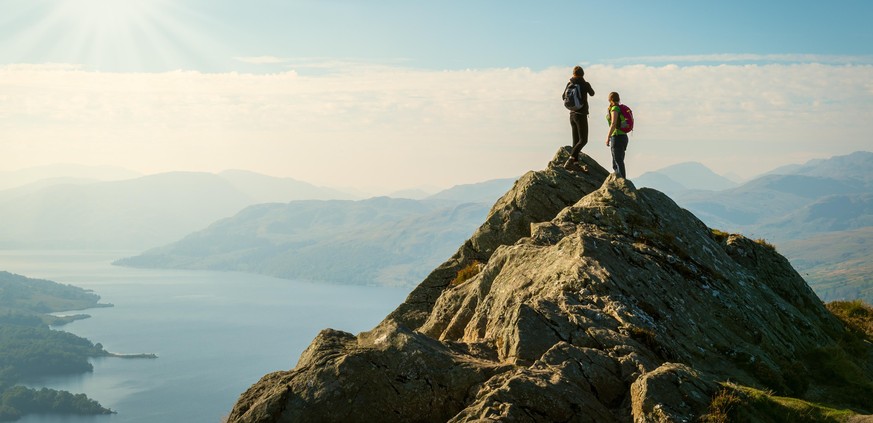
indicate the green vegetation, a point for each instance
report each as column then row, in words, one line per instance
column 830, row 380
column 838, row 373
column 845, row 366
column 41, row 296
column 18, row 401
column 857, row 315
column 763, row 242
column 719, row 235
column 27, row 351
column 734, row 403
column 466, row 273
column 722, row 407
column 29, row 348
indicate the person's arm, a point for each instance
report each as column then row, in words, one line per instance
column 613, row 124
column 590, row 90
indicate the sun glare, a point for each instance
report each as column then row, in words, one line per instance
column 117, row 34
column 109, row 16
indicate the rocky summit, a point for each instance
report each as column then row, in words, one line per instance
column 580, row 299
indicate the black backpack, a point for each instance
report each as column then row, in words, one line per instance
column 574, row 98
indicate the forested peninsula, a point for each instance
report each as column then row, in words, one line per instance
column 29, row 348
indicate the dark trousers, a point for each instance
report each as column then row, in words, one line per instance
column 618, row 145
column 579, row 125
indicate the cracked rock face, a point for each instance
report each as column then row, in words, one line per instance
column 595, row 302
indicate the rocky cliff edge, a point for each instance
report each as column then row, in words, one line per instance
column 589, row 300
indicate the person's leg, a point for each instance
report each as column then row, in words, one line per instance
column 574, row 127
column 612, row 150
column 618, row 146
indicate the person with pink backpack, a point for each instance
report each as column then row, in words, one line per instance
column 621, row 121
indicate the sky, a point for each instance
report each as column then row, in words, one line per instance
column 383, row 95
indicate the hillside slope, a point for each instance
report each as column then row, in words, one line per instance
column 379, row 241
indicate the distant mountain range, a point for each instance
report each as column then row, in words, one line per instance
column 820, row 209
column 684, row 176
column 379, row 241
column 791, row 202
column 811, row 209
column 52, row 174
column 268, row 189
column 488, row 191
column 136, row 213
column 777, row 205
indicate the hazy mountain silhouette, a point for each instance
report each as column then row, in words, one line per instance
column 137, row 213
column 134, row 213
column 791, row 204
column 268, row 189
column 776, row 194
column 722, row 203
column 384, row 241
column 684, row 176
column 775, row 207
column 488, row 191
column 660, row 182
column 854, row 166
column 59, row 172
column 411, row 194
column 828, row 214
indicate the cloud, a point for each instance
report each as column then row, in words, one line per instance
column 392, row 127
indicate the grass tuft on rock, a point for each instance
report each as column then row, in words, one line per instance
column 466, row 273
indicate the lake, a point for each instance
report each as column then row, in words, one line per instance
column 215, row 333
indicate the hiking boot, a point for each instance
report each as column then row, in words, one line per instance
column 573, row 165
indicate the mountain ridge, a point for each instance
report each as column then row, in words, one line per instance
column 778, row 207
column 16, row 178
column 378, row 241
column 136, row 213
column 589, row 300
column 685, row 176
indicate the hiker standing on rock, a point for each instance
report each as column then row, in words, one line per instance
column 576, row 100
column 616, row 136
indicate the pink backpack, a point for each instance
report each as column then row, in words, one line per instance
column 628, row 115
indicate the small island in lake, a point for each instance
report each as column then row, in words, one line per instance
column 30, row 348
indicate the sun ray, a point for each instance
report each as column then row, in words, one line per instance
column 114, row 35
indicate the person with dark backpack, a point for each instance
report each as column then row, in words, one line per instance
column 576, row 100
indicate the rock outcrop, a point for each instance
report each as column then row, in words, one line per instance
column 594, row 301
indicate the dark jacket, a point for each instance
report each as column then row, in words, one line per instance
column 586, row 87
